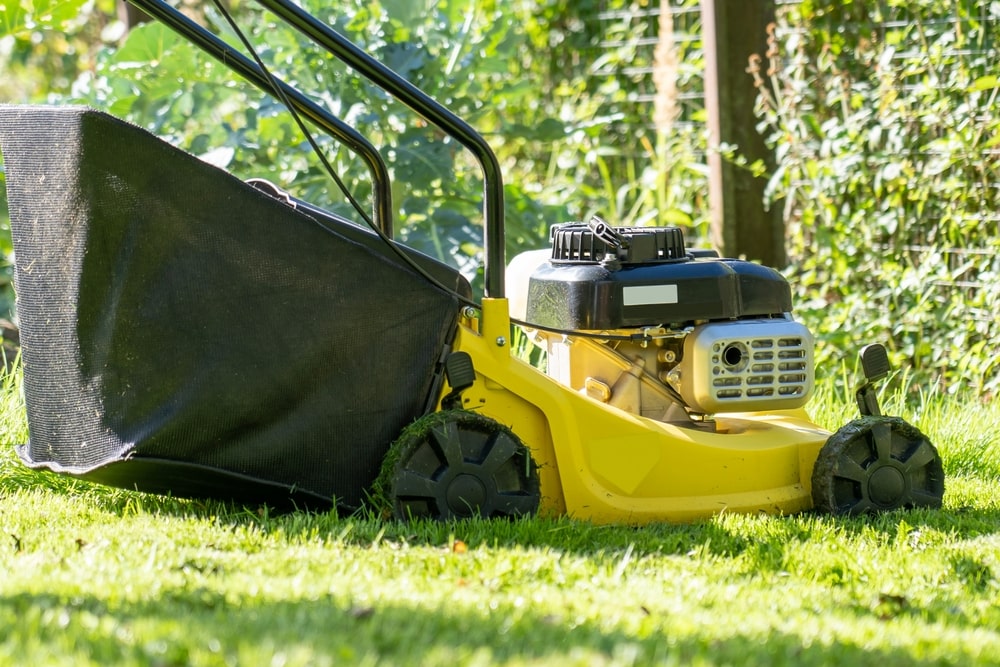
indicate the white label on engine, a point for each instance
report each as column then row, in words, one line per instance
column 648, row 295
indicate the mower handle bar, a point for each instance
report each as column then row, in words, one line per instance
column 382, row 210
column 375, row 71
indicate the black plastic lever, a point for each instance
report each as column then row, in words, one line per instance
column 875, row 365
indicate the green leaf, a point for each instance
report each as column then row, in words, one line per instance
column 403, row 58
column 419, row 159
column 146, row 45
column 985, row 83
column 57, row 12
column 20, row 18
column 407, row 12
column 13, row 17
column 677, row 217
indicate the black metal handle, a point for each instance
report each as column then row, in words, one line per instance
column 432, row 111
column 249, row 70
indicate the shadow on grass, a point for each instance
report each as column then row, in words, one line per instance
column 201, row 627
column 764, row 546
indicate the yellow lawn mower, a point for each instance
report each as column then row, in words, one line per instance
column 186, row 332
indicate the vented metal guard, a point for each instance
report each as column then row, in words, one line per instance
column 746, row 365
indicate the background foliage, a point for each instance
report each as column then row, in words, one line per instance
column 883, row 119
column 880, row 115
column 512, row 69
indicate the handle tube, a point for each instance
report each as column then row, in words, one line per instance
column 251, row 71
column 432, row 111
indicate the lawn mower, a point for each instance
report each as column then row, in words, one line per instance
column 185, row 332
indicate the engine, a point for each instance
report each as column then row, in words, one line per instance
column 634, row 319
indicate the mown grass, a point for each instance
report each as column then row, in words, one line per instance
column 92, row 575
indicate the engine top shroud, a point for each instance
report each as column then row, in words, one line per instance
column 636, row 276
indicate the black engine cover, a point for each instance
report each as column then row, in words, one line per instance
column 588, row 294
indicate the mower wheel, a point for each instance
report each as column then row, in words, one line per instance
column 458, row 464
column 875, row 464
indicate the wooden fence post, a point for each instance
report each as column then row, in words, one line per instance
column 732, row 30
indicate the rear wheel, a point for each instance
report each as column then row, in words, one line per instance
column 875, row 464
column 459, row 464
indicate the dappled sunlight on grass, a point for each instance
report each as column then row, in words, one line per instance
column 93, row 575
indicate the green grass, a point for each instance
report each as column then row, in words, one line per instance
column 92, row 575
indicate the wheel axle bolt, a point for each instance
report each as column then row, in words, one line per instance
column 886, row 485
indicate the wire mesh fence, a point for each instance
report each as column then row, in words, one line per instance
column 627, row 52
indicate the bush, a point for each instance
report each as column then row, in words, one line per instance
column 881, row 115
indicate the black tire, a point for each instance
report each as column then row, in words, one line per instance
column 458, row 464
column 875, row 464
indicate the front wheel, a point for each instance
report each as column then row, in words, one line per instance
column 459, row 464
column 876, row 464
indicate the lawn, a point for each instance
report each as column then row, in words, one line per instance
column 92, row 575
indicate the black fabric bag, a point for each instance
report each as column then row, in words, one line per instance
column 184, row 333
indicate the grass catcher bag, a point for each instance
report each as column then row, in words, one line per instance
column 183, row 332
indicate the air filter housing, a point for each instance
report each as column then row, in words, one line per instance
column 601, row 278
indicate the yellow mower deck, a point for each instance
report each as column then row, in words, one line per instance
column 599, row 463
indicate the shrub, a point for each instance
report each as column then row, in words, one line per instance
column 881, row 116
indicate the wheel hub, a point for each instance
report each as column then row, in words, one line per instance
column 465, row 494
column 458, row 464
column 886, row 485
